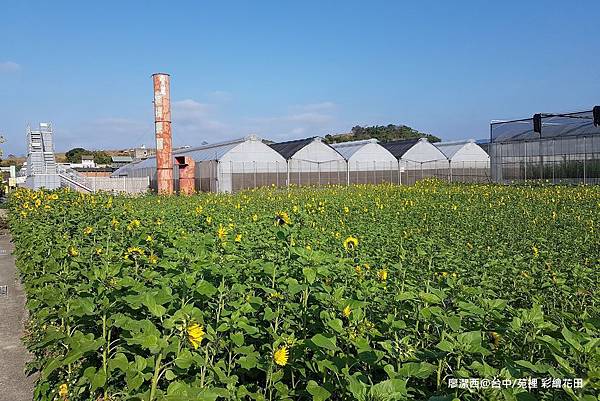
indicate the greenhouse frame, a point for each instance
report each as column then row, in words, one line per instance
column 557, row 148
column 467, row 161
column 310, row 161
column 418, row 159
column 222, row 167
column 368, row 162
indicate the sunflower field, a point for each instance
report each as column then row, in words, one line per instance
column 341, row 293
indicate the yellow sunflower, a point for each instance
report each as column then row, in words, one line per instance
column 281, row 356
column 195, row 334
column 350, row 243
column 347, row 311
column 282, row 218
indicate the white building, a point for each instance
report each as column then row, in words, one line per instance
column 223, row 167
column 368, row 162
column 87, row 161
column 312, row 162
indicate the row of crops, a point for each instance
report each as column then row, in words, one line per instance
column 344, row 293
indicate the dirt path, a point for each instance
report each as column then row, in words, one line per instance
column 14, row 385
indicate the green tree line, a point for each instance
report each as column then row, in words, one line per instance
column 383, row 133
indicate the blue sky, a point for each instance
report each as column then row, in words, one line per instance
column 287, row 70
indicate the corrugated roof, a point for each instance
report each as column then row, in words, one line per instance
column 450, row 148
column 122, row 159
column 347, row 149
column 213, row 151
column 399, row 148
column 290, row 148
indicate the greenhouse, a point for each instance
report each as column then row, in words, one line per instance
column 467, row 161
column 418, row 158
column 312, row 162
column 222, row 167
column 550, row 147
column 368, row 162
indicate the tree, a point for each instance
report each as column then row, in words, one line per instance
column 383, row 133
column 74, row 155
column 101, row 157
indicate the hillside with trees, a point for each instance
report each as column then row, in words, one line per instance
column 100, row 156
column 384, row 133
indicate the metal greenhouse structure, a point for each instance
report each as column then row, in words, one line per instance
column 467, row 161
column 560, row 148
column 222, row 167
column 418, row 159
column 368, row 162
column 311, row 161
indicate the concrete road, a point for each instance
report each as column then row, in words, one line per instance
column 14, row 384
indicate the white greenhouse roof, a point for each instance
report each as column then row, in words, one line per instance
column 214, row 151
column 347, row 149
column 449, row 149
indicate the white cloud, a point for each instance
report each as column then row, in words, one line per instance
column 194, row 122
column 105, row 133
column 314, row 119
column 9, row 67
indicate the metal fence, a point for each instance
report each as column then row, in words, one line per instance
column 236, row 176
column 214, row 176
column 128, row 185
column 558, row 160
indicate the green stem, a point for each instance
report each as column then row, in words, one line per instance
column 155, row 377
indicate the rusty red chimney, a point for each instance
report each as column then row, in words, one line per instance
column 187, row 174
column 162, row 127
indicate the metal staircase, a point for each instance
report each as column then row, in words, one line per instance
column 72, row 179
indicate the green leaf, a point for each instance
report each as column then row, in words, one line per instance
column 392, row 389
column 277, row 376
column 324, row 342
column 237, row 338
column 570, row 338
column 445, row 345
column 247, row 328
column 206, row 288
column 133, row 379
column 454, row 322
column 336, row 324
column 310, row 274
column 420, row 370
column 357, row 388
column 248, row 361
column 154, row 308
column 184, row 360
column 430, row 298
column 50, row 367
column 169, row 375
column 99, row 380
column 318, row 393
column 119, row 361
